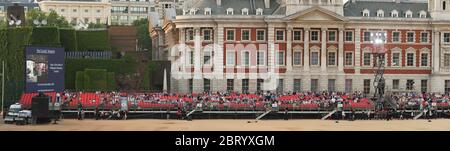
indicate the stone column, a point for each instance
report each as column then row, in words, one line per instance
column 436, row 57
column 306, row 50
column 357, row 64
column 289, row 49
column 341, row 50
column 198, row 78
column 323, row 51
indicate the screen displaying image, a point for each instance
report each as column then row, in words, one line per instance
column 37, row 68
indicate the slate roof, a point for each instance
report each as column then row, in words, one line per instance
column 354, row 9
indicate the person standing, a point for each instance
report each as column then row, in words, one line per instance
column 96, row 114
column 286, row 113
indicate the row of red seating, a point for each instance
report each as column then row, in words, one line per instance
column 26, row 98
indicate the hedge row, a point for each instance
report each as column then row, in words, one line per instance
column 45, row 36
column 93, row 40
column 68, row 39
column 123, row 66
column 94, row 80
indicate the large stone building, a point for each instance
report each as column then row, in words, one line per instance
column 125, row 12
column 80, row 11
column 308, row 45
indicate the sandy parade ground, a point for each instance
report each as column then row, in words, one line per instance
column 233, row 125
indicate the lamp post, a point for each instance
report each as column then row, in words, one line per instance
column 378, row 39
column 40, row 22
column 14, row 22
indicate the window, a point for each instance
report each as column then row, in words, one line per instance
column 365, row 13
column 73, row 21
column 86, row 20
column 446, row 37
column 315, row 58
column 259, row 11
column 231, row 57
column 366, row 87
column 62, row 10
column 246, row 58
column 447, row 60
column 409, row 84
column 447, row 86
column 74, row 10
column 119, row 9
column 207, row 11
column 444, row 4
column 366, row 36
column 245, row 85
column 230, row 35
column 297, row 35
column 348, row 59
column 259, row 84
column 230, row 84
column 280, row 35
column 331, row 58
column 331, row 85
column 395, row 84
column 86, row 11
column 230, row 11
column 245, row 35
column 189, row 34
column 280, row 58
column 191, row 85
column 191, row 57
column 408, row 14
column 98, row 11
column 297, row 85
column 410, row 37
column 2, row 8
column 424, row 59
column 409, row 59
column 143, row 10
column 424, row 37
column 332, row 36
column 348, row 85
column 315, row 35
column 297, row 58
column 314, row 85
column 260, row 58
column 260, row 35
column 423, row 85
column 207, row 57
column 423, row 14
column 245, row 11
column 394, row 14
column 395, row 59
column 349, row 36
column 206, row 85
column 366, row 59
column 97, row 20
column 395, row 36
column 280, row 85
column 380, row 13
column 206, row 34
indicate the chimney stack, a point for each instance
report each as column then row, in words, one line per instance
column 267, row 3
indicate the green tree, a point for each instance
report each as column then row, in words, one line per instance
column 144, row 41
column 52, row 18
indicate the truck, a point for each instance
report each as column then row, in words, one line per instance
column 17, row 115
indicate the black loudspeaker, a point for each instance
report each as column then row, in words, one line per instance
column 16, row 12
column 39, row 106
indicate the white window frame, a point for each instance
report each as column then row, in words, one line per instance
column 345, row 36
column 187, row 35
column 428, row 36
column 229, row 64
column 264, row 35
column 423, row 14
column 363, row 37
column 230, row 11
column 293, row 35
column 294, row 57
column 210, row 34
column 277, row 61
column 210, row 57
column 443, row 37
column 413, row 52
column 335, row 35
column 190, row 57
column 444, row 64
column 380, row 13
column 399, row 36
column 234, row 34
column 318, row 57
column 399, row 51
column 408, row 14
column 207, row 11
column 335, row 58
column 243, row 58
column 276, row 34
column 366, row 13
column 244, row 11
column 259, row 11
column 414, row 37
column 263, row 58
column 398, row 84
column 249, row 34
column 394, row 13
column 318, row 35
column 370, row 58
column 428, row 58
column 345, row 59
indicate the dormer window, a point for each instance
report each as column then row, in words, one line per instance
column 185, row 12
column 245, row 11
column 259, row 11
column 380, row 13
column 230, row 11
column 192, row 11
column 365, row 13
column 408, row 14
column 394, row 14
column 423, row 14
column 207, row 11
